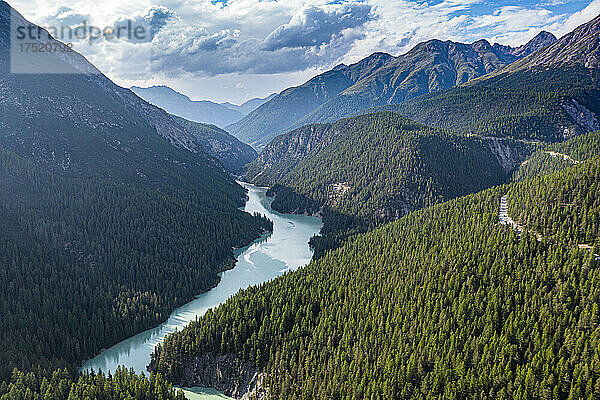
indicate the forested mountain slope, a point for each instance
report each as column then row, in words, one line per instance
column 374, row 168
column 443, row 303
column 379, row 79
column 554, row 157
column 206, row 112
column 87, row 263
column 111, row 213
column 60, row 385
column 550, row 95
column 562, row 207
column 232, row 153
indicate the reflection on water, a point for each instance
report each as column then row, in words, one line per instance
column 266, row 258
column 203, row 394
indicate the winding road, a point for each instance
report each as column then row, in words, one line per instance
column 505, row 219
column 563, row 156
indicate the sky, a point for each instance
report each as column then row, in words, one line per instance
column 234, row 50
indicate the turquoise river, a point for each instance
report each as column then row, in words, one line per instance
column 285, row 249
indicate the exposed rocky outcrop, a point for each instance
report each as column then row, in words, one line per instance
column 586, row 119
column 286, row 151
column 509, row 153
column 227, row 373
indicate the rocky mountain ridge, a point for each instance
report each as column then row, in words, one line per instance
column 376, row 80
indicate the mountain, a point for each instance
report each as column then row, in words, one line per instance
column 232, row 153
column 175, row 103
column 111, row 213
column 275, row 116
column 550, row 95
column 577, row 47
column 429, row 67
column 81, row 124
column 250, row 105
column 367, row 170
column 540, row 41
column 445, row 302
column 377, row 80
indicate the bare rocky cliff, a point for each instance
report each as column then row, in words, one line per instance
column 237, row 379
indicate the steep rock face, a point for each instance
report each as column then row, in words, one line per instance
column 283, row 153
column 585, row 118
column 437, row 65
column 509, row 156
column 237, row 379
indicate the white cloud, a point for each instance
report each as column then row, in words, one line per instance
column 152, row 19
column 572, row 21
column 235, row 41
column 63, row 15
column 318, row 25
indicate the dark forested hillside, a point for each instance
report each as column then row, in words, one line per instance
column 443, row 303
column 232, row 153
column 562, row 207
column 375, row 168
column 86, row 264
column 111, row 214
column 60, row 385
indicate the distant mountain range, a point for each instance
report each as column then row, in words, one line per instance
column 232, row 153
column 551, row 95
column 203, row 111
column 378, row 80
column 250, row 105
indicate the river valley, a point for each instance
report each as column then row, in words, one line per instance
column 286, row 248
